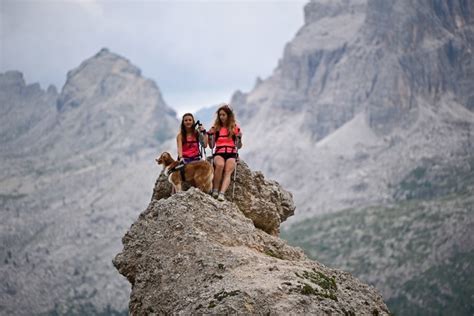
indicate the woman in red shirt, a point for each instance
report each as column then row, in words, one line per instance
column 226, row 139
column 188, row 139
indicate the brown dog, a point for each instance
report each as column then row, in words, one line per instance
column 198, row 173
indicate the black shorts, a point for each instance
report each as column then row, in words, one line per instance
column 226, row 155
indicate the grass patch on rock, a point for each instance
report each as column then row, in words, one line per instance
column 327, row 285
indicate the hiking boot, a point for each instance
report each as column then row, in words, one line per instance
column 215, row 194
column 221, row 197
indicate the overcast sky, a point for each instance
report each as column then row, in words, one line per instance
column 198, row 52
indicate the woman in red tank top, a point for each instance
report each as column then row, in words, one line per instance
column 188, row 139
column 226, row 139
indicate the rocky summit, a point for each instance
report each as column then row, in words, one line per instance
column 190, row 254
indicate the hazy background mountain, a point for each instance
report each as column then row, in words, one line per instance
column 77, row 168
column 368, row 119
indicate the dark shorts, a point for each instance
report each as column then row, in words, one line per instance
column 226, row 155
column 193, row 159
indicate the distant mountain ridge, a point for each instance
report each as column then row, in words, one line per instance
column 74, row 166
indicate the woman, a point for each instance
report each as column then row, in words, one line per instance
column 188, row 139
column 226, row 139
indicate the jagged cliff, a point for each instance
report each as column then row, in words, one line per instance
column 364, row 93
column 190, row 254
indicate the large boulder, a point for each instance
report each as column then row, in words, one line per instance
column 188, row 253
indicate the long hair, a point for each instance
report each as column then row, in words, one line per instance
column 183, row 128
column 230, row 123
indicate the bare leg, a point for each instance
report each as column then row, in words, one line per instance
column 218, row 169
column 228, row 169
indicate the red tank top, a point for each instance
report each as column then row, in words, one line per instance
column 191, row 147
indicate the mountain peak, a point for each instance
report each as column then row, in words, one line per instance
column 104, row 63
column 103, row 73
column 104, row 50
column 107, row 91
column 106, row 56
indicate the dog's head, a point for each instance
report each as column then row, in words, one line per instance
column 165, row 159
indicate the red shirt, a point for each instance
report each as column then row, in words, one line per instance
column 191, row 147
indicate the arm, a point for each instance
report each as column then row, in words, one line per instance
column 180, row 146
column 238, row 141
column 203, row 137
column 238, row 138
column 211, row 137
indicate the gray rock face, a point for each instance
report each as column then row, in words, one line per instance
column 362, row 82
column 73, row 168
column 190, row 254
column 430, row 48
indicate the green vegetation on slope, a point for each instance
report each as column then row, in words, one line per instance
column 453, row 278
column 396, row 248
